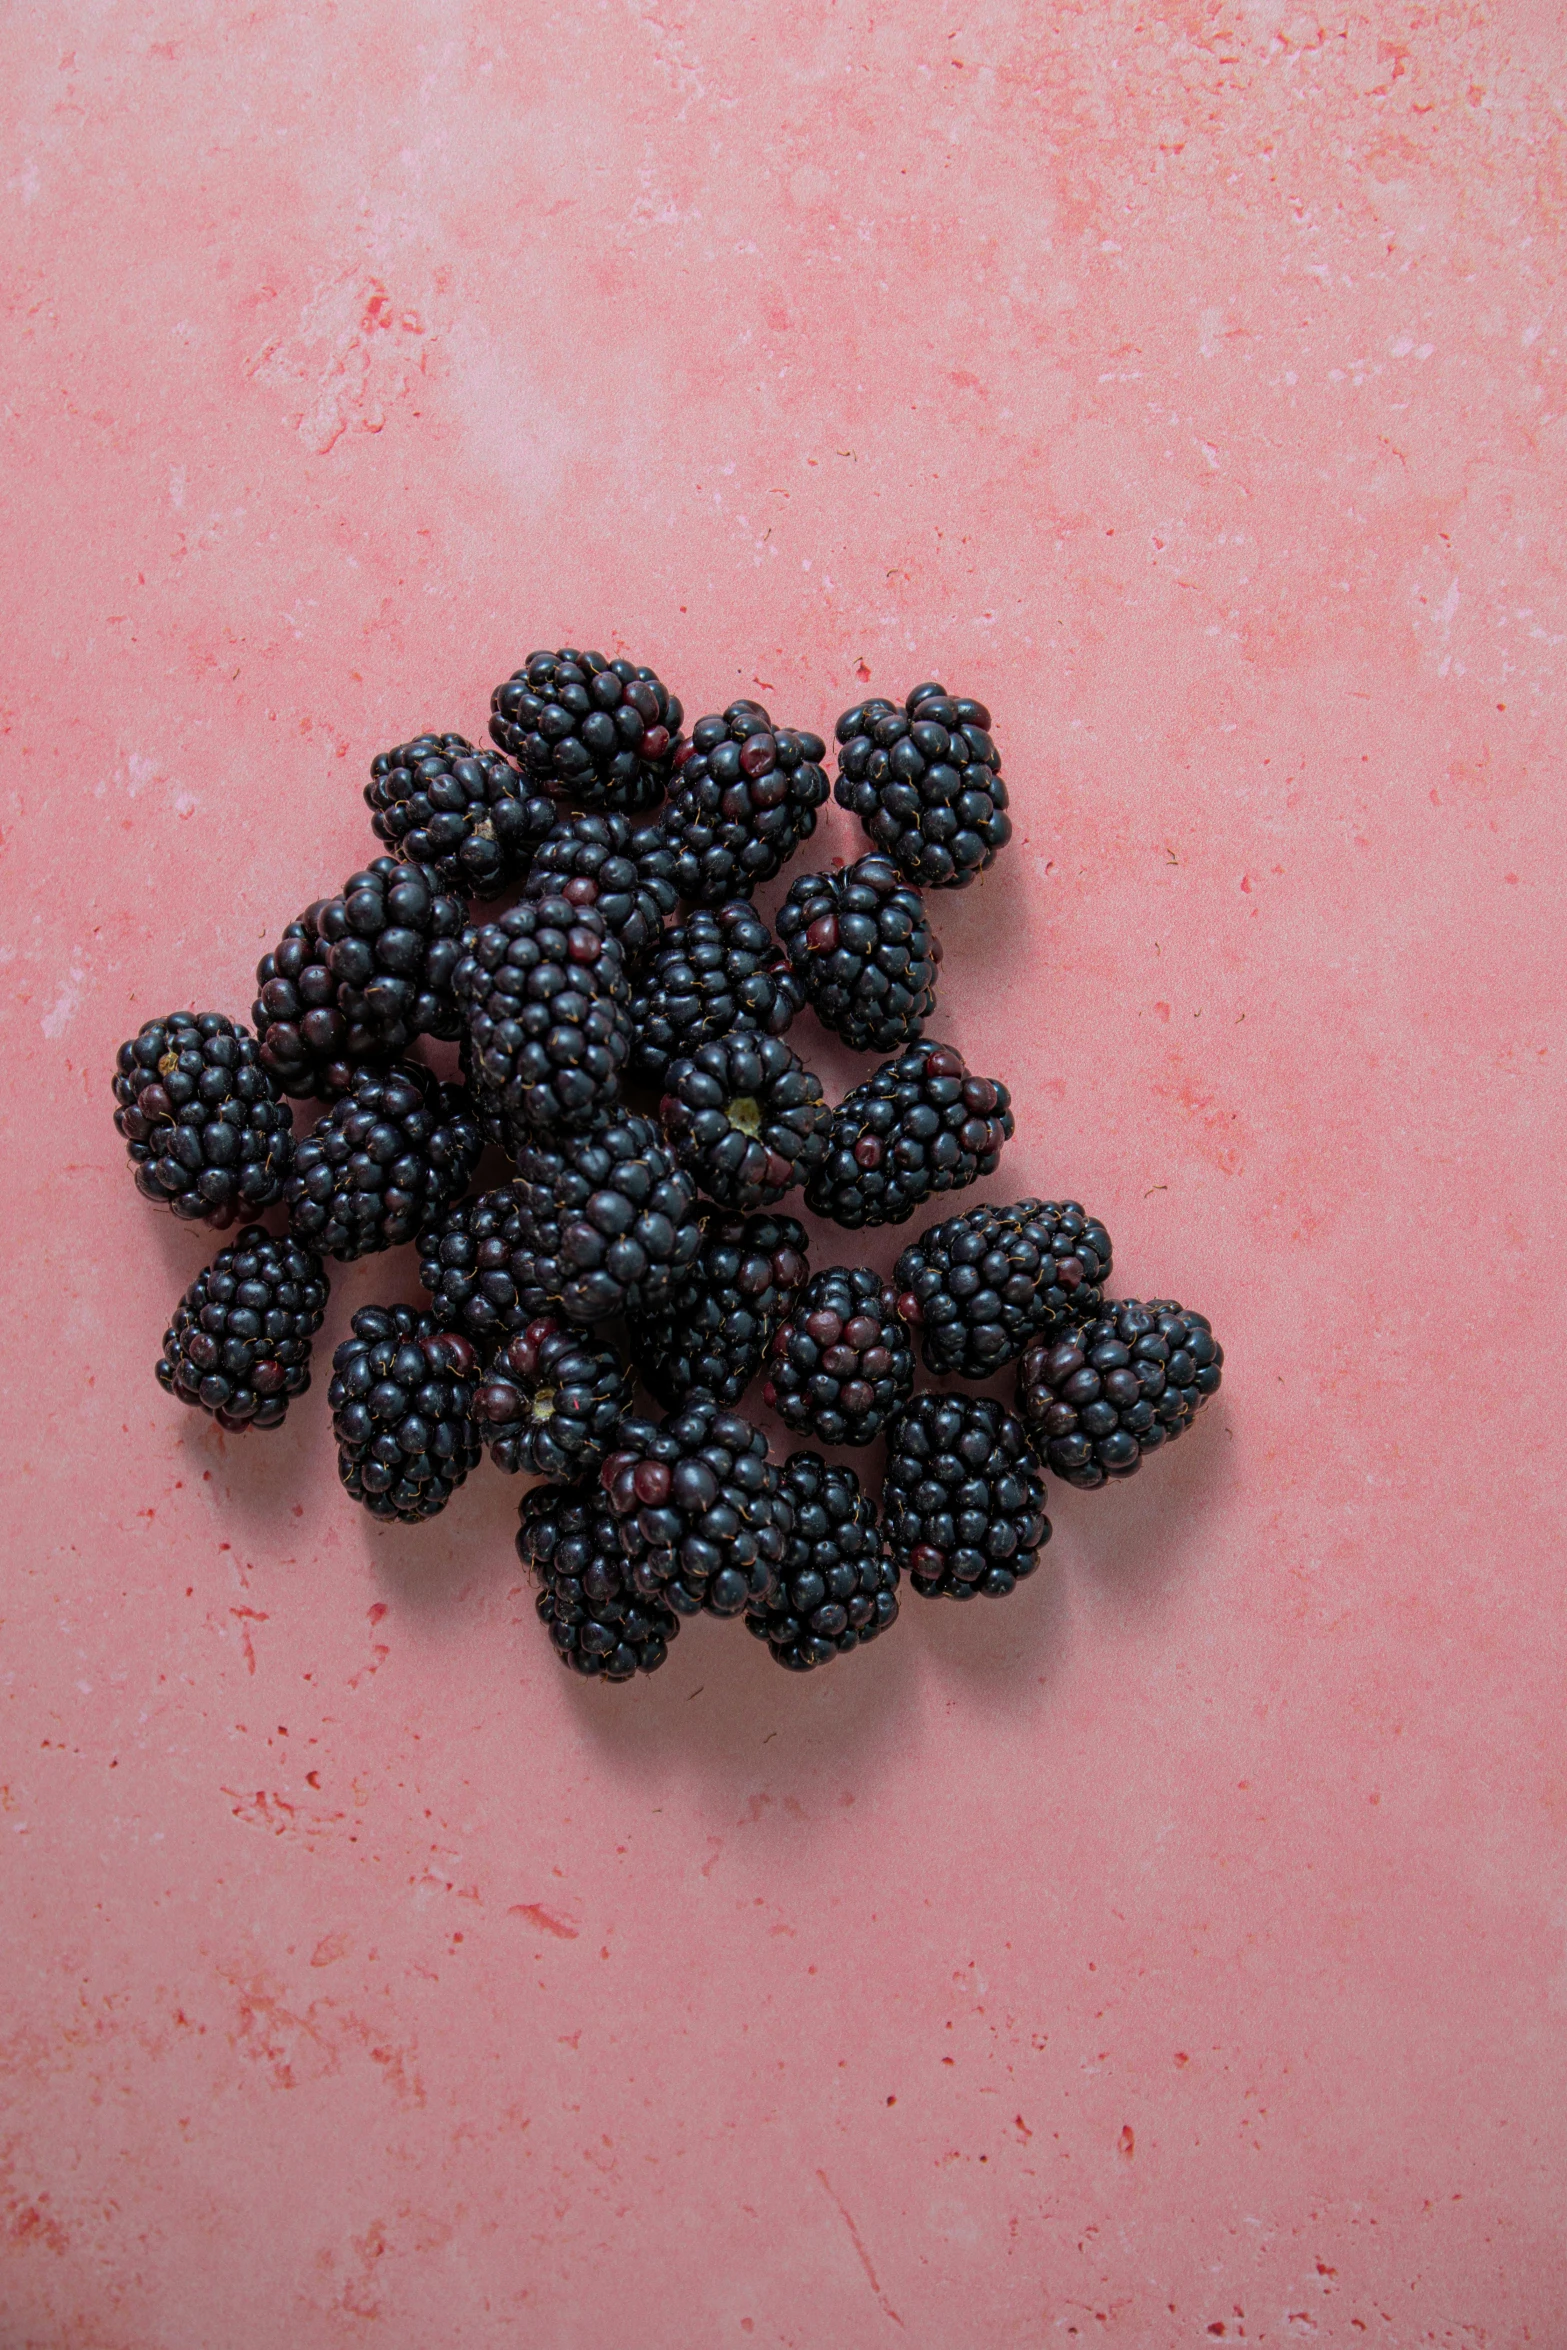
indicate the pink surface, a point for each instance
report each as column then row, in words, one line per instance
column 1174, row 1952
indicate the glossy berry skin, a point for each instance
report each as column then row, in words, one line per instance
column 1118, row 1387
column 602, row 734
column 979, row 1287
column 465, row 814
column 925, row 781
column 744, row 797
column 543, row 990
column 722, row 969
column 963, row 1506
column 746, row 1118
column 568, row 1538
column 625, row 872
column 862, row 949
column 838, row 1586
column 919, row 1126
column 551, row 1401
column 714, row 1330
column 702, row 1514
column 391, row 1152
column 204, row 1128
column 608, row 1220
column 842, row 1361
column 471, row 1264
column 239, row 1344
column 401, row 1396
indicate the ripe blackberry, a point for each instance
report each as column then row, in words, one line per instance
column 919, row 1125
column 838, row 1587
column 980, row 1286
column 746, row 1118
column 743, row 799
column 551, row 1401
column 925, row 781
column 703, row 1516
column 543, row 990
column 470, row 1263
column 720, row 970
column 390, row 1153
column 608, row 1221
column 465, row 814
column 603, row 734
column 203, row 1125
column 401, row 1396
column 1114, row 1388
column 963, row 1505
column 864, row 953
column 625, row 872
column 714, row 1329
column 239, row 1344
column 567, row 1537
column 843, row 1360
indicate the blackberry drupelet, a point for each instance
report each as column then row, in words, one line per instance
column 624, row 872
column 401, row 1398
column 925, row 781
column 203, row 1126
column 551, row 1401
column 239, row 1344
column 543, row 990
column 703, row 1516
column 466, row 814
column 608, row 1221
column 918, row 1126
column 979, row 1287
column 864, row 952
column 963, row 1506
column 720, row 970
column 714, row 1329
column 746, row 1118
column 1117, row 1387
column 603, row 734
column 838, row 1586
column 567, row 1537
column 390, row 1153
column 842, row 1361
column 743, row 799
column 470, row 1264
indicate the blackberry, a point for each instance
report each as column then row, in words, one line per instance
column 624, row 872
column 743, row 799
column 980, row 1286
column 1112, row 1389
column 603, row 734
column 401, row 1396
column 608, row 1221
column 239, row 1344
column 864, row 952
column 470, row 1263
column 838, row 1587
column 390, row 1153
column 203, row 1125
column 567, row 1537
column 551, row 1401
column 543, row 989
column 720, row 970
column 746, row 1118
column 919, row 1125
column 843, row 1360
column 925, row 781
column 465, row 814
column 964, row 1501
column 714, row 1329
column 704, row 1520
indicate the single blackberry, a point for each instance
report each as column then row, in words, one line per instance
column 925, row 781
column 843, row 1360
column 390, row 1153
column 603, row 734
column 838, row 1586
column 1114, row 1388
column 703, row 1516
column 720, row 970
column 864, row 952
column 963, row 1505
column 746, row 1118
column 743, row 799
column 918, row 1126
column 551, row 1401
column 203, row 1125
column 980, row 1286
column 567, row 1537
column 714, row 1329
column 608, row 1221
column 543, row 989
column 465, row 814
column 625, row 872
column 401, row 1398
column 470, row 1263
column 239, row 1344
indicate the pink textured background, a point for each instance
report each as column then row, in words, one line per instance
column 1174, row 1953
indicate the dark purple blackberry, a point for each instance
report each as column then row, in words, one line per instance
column 203, row 1125
column 551, row 1401
column 703, row 1517
column 465, row 814
column 623, row 871
column 979, row 1287
column 1102, row 1395
column 239, row 1344
column 401, row 1397
column 925, row 781
column 544, row 993
column 714, row 1330
column 843, row 1360
column 918, row 1126
column 746, row 1118
column 720, row 970
column 608, row 1221
column 963, row 1505
column 863, row 951
column 838, row 1587
column 470, row 1263
column 743, row 799
column 603, row 734
column 389, row 1154
column 567, row 1537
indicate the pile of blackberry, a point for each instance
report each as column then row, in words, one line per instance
column 556, row 1049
